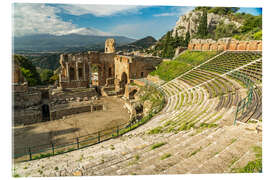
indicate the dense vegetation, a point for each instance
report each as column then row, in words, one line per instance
column 47, row 76
column 28, row 70
column 251, row 28
column 165, row 47
column 34, row 76
column 45, row 61
column 168, row 70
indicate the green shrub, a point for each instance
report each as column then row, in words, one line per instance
column 158, row 145
column 156, row 130
column 169, row 70
column 258, row 35
column 164, row 156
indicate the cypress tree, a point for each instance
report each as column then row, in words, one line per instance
column 187, row 39
column 202, row 29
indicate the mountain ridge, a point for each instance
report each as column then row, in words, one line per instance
column 63, row 43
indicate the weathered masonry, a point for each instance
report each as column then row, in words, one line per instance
column 113, row 69
column 76, row 68
column 128, row 68
column 224, row 44
column 74, row 93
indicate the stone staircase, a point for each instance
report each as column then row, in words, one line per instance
column 182, row 144
column 108, row 91
column 213, row 150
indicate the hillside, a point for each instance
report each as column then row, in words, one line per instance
column 208, row 23
column 63, row 43
column 168, row 70
column 140, row 44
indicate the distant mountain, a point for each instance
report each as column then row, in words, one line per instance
column 70, row 42
column 140, row 44
column 85, row 31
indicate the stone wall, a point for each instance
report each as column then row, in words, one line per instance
column 128, row 68
column 81, row 93
column 59, row 113
column 26, row 99
column 224, row 44
column 27, row 116
column 76, row 68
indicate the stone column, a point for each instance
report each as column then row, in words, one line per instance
column 84, row 75
column 90, row 74
column 60, row 77
column 67, row 69
column 77, row 71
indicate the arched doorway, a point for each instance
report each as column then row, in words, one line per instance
column 45, row 112
column 123, row 81
column 132, row 93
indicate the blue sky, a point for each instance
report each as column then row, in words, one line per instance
column 131, row 21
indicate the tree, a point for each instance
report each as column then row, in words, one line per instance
column 223, row 10
column 46, row 75
column 202, row 29
column 187, row 39
column 28, row 70
column 225, row 30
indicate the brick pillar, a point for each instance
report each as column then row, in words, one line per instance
column 90, row 74
column 67, row 69
column 84, row 75
column 77, row 71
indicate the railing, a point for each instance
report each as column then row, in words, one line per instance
column 54, row 148
column 243, row 105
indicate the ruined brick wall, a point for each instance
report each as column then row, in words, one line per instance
column 17, row 77
column 26, row 99
column 59, row 113
column 142, row 66
column 109, row 46
column 27, row 116
column 107, row 67
column 122, row 65
column 76, row 68
column 81, row 94
column 224, row 44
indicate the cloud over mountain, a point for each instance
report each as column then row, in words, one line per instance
column 84, row 31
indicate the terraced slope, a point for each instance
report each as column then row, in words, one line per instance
column 194, row 133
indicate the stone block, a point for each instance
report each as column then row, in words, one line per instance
column 259, row 48
column 242, row 46
column 214, row 47
column 206, row 47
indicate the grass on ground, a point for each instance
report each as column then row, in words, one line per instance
column 168, row 70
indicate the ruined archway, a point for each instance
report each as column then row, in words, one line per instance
column 132, row 93
column 123, row 81
column 45, row 112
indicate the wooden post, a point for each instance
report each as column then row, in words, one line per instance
column 98, row 136
column 30, row 153
column 52, row 149
column 78, row 143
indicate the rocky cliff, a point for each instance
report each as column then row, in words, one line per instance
column 190, row 22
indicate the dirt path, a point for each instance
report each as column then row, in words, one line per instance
column 72, row 126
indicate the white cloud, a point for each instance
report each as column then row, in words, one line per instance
column 175, row 11
column 166, row 14
column 99, row 10
column 36, row 19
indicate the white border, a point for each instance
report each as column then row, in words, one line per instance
column 6, row 79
